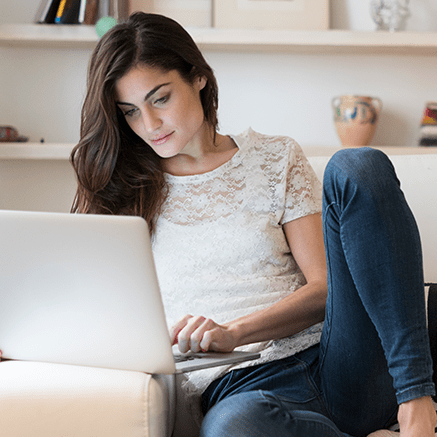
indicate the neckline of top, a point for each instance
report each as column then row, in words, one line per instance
column 235, row 160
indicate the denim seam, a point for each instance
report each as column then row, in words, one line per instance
column 297, row 416
column 328, row 335
column 326, row 326
column 309, row 377
column 310, row 381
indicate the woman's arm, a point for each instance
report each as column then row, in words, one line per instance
column 301, row 309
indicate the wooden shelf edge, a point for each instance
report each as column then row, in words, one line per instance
column 35, row 151
column 328, row 41
column 48, row 35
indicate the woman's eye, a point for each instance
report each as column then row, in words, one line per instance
column 130, row 112
column 162, row 100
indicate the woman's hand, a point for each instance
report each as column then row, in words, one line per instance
column 202, row 334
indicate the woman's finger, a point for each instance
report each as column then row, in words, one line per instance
column 197, row 339
column 177, row 328
column 185, row 334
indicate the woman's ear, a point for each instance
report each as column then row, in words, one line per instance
column 201, row 82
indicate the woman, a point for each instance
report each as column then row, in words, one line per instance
column 238, row 244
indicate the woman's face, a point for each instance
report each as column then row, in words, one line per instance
column 162, row 109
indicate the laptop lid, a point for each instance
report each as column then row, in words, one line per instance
column 82, row 289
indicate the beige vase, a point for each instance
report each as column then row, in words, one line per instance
column 356, row 118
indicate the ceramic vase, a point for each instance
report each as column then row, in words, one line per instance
column 356, row 118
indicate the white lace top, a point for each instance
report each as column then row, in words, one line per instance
column 219, row 247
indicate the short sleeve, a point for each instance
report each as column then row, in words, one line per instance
column 303, row 194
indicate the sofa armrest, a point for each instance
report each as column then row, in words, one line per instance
column 50, row 400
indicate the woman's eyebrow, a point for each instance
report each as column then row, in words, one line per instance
column 148, row 95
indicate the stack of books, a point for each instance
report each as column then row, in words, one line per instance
column 428, row 128
column 70, row 11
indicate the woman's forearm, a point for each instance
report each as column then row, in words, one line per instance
column 302, row 309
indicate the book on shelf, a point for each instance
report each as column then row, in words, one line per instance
column 89, row 12
column 104, row 8
column 114, row 8
column 67, row 12
column 82, row 8
column 46, row 12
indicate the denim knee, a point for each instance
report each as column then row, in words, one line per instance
column 363, row 170
column 261, row 414
column 363, row 164
column 237, row 415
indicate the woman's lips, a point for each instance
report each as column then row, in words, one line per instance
column 161, row 139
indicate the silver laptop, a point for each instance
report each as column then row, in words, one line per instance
column 82, row 289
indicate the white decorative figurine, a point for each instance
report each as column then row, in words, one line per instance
column 390, row 15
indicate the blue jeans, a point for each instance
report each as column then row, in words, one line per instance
column 374, row 351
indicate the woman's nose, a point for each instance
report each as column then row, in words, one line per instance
column 152, row 122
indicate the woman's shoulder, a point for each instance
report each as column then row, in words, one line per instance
column 271, row 147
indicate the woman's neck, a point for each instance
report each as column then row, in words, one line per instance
column 210, row 156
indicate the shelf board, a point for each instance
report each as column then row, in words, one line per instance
column 318, row 42
column 32, row 151
column 56, row 151
column 48, row 35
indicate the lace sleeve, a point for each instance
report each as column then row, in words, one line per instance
column 303, row 189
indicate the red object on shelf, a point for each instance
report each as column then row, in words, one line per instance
column 9, row 134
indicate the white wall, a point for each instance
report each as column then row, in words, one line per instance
column 292, row 94
column 41, row 90
column 37, row 185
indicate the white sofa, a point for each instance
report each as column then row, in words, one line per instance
column 49, row 400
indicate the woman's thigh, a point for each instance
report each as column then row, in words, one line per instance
column 294, row 378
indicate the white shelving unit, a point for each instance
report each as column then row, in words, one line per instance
column 38, row 176
column 310, row 42
column 329, row 42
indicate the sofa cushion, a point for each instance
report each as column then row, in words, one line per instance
column 418, row 176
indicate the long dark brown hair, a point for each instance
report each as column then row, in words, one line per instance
column 117, row 172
